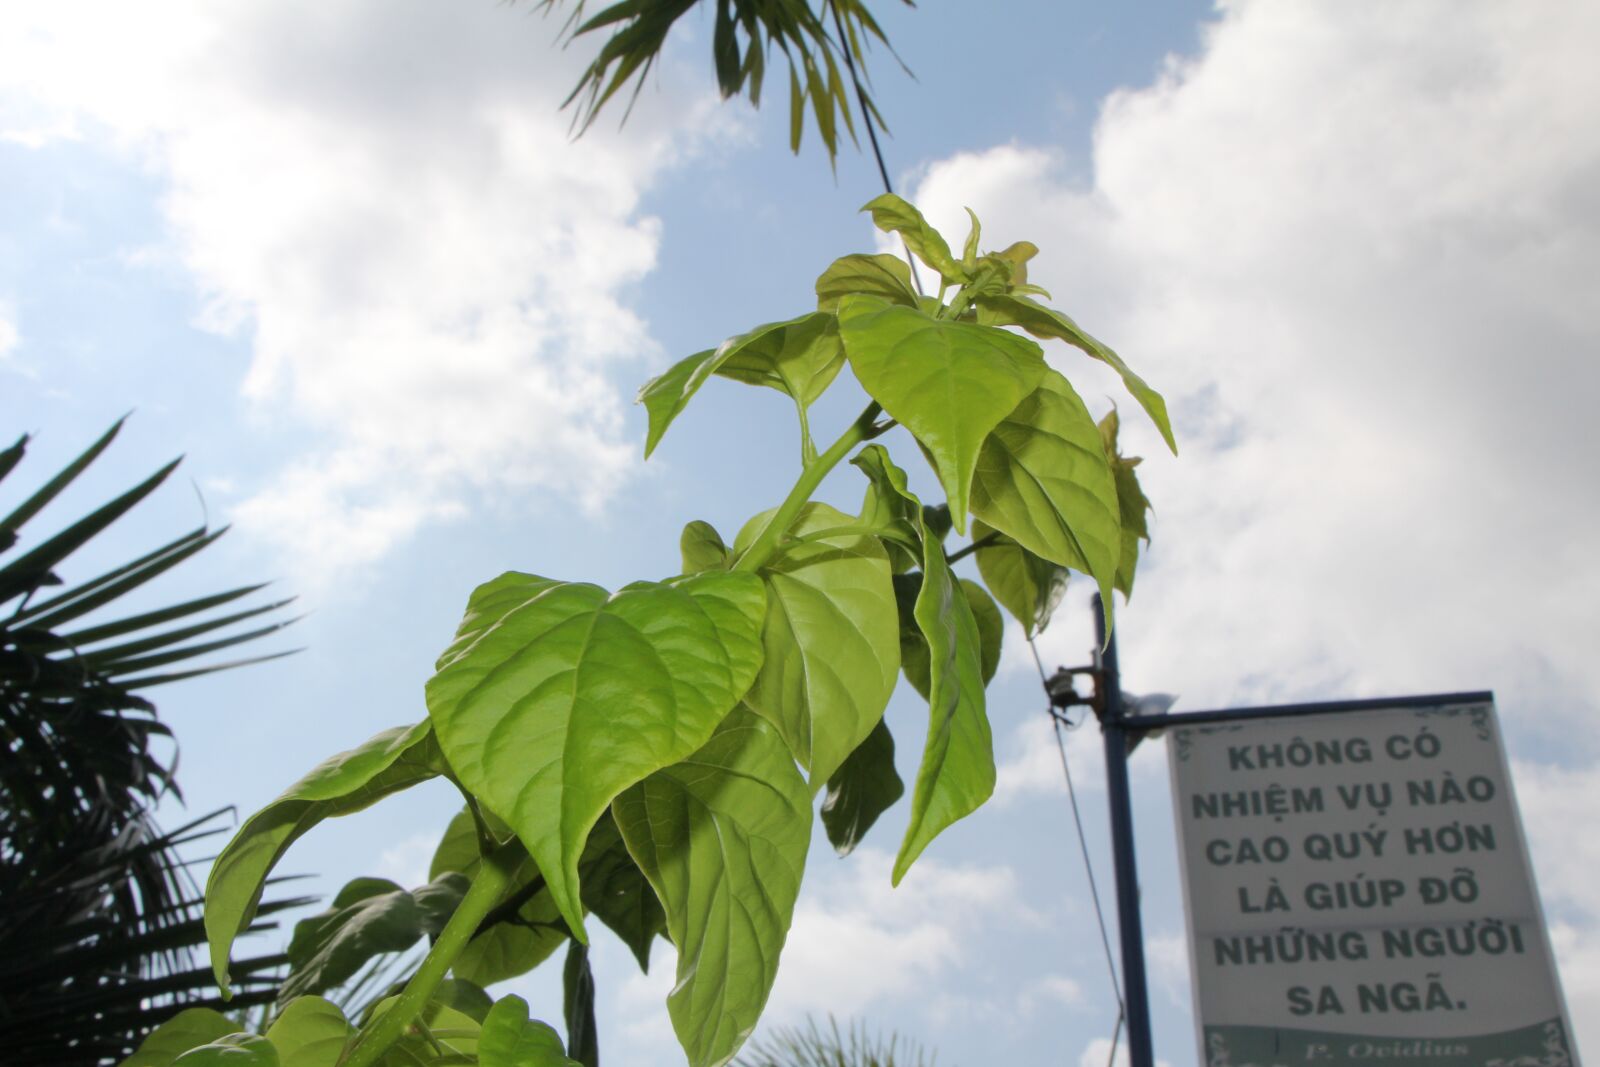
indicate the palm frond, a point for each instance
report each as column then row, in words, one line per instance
column 814, row 1046
column 99, row 916
column 744, row 34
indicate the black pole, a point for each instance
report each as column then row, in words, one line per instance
column 1135, row 993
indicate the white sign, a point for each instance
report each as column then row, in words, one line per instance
column 1358, row 892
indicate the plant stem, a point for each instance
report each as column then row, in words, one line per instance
column 767, row 542
column 983, row 542
column 493, row 877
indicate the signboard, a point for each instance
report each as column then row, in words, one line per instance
column 1358, row 891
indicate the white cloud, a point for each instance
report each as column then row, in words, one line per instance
column 385, row 199
column 8, row 332
column 406, row 862
column 902, row 942
column 1557, row 804
column 1098, row 1053
column 1168, row 959
column 1050, row 991
column 1030, row 761
column 1354, row 247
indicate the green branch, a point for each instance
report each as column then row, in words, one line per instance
column 761, row 550
column 493, row 878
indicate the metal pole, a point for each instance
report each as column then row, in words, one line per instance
column 1135, row 993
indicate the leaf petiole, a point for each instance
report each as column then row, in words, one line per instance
column 854, row 529
column 983, row 542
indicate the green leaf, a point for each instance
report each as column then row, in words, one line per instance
column 991, row 627
column 936, row 521
column 190, row 1028
column 235, row 1050
column 884, row 276
column 465, row 997
column 722, row 837
column 614, row 890
column 1131, row 502
column 1014, row 309
column 457, row 849
column 1016, row 256
column 617, row 892
column 957, row 772
column 388, row 763
column 577, row 985
column 884, row 511
column 798, row 357
column 797, row 108
column 863, row 787
column 1029, row 586
column 969, row 254
column 557, row 696
column 702, row 548
column 310, row 1032
column 511, row 1039
column 442, row 1034
column 667, row 394
column 891, row 214
column 369, row 917
column 506, row 949
column 949, row 383
column 831, row 639
column 1043, row 480
column 914, row 654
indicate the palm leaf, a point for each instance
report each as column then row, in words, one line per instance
column 639, row 28
column 99, row 917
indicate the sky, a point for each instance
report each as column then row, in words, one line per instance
column 349, row 262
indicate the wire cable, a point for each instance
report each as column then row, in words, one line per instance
column 872, row 133
column 1088, row 865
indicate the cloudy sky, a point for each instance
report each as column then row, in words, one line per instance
column 347, row 259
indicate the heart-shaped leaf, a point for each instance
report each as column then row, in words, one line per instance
column 393, row 760
column 511, row 1039
column 555, row 697
column 722, row 837
column 1044, row 481
column 666, row 395
column 1017, row 309
column 617, row 892
column 883, row 276
column 369, row 917
column 798, row 357
column 957, row 772
column 863, row 788
column 949, row 383
column 891, row 214
column 310, row 1032
column 235, row 1050
column 702, row 548
column 831, row 639
column 190, row 1028
column 1029, row 586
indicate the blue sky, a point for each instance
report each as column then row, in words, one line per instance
column 348, row 262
